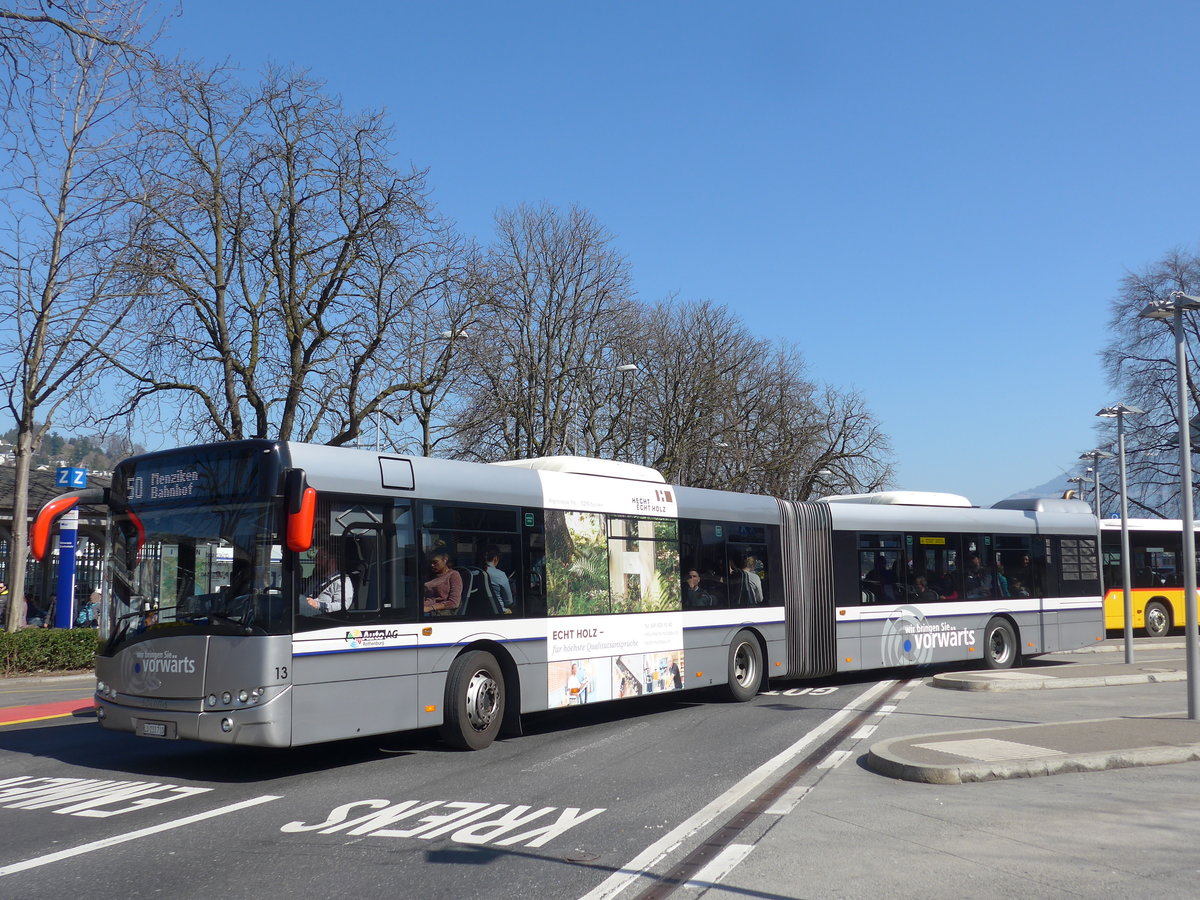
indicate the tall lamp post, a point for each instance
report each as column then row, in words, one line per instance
column 1094, row 457
column 1119, row 411
column 1079, row 481
column 1172, row 308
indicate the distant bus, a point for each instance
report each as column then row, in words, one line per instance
column 1155, row 574
column 463, row 595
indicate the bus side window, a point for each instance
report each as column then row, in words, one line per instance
column 712, row 564
column 483, row 547
column 404, row 602
column 529, row 592
column 694, row 592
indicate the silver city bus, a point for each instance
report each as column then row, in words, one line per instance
column 279, row 594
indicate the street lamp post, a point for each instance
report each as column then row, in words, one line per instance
column 1079, row 481
column 1172, row 308
column 1119, row 411
column 1094, row 457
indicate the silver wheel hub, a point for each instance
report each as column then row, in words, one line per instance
column 743, row 665
column 483, row 700
column 999, row 646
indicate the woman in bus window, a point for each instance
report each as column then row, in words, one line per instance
column 443, row 592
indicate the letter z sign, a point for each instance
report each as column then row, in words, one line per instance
column 70, row 478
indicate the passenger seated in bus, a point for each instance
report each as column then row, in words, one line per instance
column 1018, row 589
column 334, row 590
column 501, row 589
column 881, row 581
column 1001, row 581
column 443, row 592
column 693, row 594
column 979, row 582
column 949, row 588
column 922, row 592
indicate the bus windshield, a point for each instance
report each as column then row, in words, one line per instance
column 197, row 568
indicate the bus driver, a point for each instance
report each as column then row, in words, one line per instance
column 334, row 590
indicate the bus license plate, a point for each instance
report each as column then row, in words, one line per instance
column 154, row 729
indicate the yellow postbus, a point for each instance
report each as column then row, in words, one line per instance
column 1155, row 575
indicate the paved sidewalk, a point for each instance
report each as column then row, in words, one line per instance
column 934, row 800
column 1023, row 751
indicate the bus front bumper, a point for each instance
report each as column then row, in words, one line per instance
column 264, row 725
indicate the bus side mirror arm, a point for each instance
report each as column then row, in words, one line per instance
column 52, row 510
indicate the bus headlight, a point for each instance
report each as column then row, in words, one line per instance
column 227, row 698
column 227, row 724
column 243, row 695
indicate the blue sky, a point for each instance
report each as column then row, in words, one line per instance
column 934, row 201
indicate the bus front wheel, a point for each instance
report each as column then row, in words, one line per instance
column 474, row 706
column 1000, row 644
column 1158, row 620
column 745, row 667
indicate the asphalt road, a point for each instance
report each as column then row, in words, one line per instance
column 584, row 798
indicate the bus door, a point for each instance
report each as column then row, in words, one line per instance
column 355, row 659
column 882, row 574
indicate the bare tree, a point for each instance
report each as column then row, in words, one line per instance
column 722, row 408
column 70, row 267
column 291, row 255
column 29, row 27
column 557, row 291
column 1140, row 363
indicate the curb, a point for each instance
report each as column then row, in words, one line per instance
column 995, row 682
column 880, row 759
column 16, row 680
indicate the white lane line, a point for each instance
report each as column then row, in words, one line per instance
column 723, row 863
column 640, row 864
column 130, row 836
column 834, row 759
column 865, row 732
column 787, row 802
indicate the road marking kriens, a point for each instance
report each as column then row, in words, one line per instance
column 460, row 821
column 131, row 836
column 87, row 797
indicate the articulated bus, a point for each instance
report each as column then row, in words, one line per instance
column 1155, row 575
column 467, row 594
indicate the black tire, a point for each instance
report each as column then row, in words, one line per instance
column 1158, row 619
column 745, row 667
column 1000, row 649
column 474, row 707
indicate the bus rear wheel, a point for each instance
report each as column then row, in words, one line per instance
column 745, row 667
column 1000, row 644
column 1158, row 620
column 474, row 706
